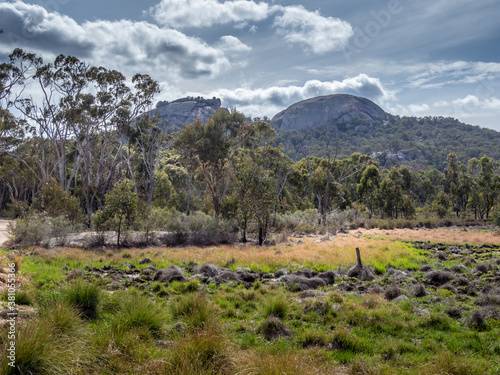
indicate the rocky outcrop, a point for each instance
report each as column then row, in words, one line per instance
column 327, row 110
column 173, row 115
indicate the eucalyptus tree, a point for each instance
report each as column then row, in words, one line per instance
column 213, row 146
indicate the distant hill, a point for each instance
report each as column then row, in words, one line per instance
column 327, row 110
column 358, row 125
column 173, row 115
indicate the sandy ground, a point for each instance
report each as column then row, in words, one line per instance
column 4, row 234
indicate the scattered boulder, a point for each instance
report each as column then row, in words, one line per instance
column 303, row 283
column 458, row 268
column 421, row 312
column 172, row 273
column 328, row 276
column 453, row 312
column 401, row 298
column 228, row 276
column 208, row 270
column 281, row 272
column 483, row 268
column 392, row 292
column 76, row 273
column 243, row 269
column 426, row 268
column 145, row 261
column 306, row 272
column 362, row 273
column 439, row 277
column 273, row 329
column 418, row 290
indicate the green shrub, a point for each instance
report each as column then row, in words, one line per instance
column 32, row 230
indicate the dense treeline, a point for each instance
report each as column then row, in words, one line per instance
column 81, row 148
column 418, row 142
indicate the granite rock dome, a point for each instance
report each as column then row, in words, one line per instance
column 325, row 110
column 173, row 115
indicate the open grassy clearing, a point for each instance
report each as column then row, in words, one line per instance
column 427, row 310
column 444, row 235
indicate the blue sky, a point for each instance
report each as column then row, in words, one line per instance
column 412, row 57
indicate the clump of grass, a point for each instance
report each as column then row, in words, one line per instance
column 21, row 297
column 195, row 311
column 84, row 296
column 451, row 364
column 392, row 292
column 283, row 362
column 344, row 340
column 276, row 306
column 137, row 311
column 202, row 352
column 272, row 328
column 41, row 349
column 64, row 318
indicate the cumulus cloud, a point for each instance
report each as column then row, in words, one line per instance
column 232, row 44
column 268, row 101
column 205, row 13
column 444, row 73
column 320, row 34
column 138, row 44
column 418, row 108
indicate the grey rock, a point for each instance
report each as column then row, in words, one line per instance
column 401, row 298
column 303, row 283
column 228, row 276
column 173, row 115
column 422, row 312
column 242, row 269
column 328, row 276
column 172, row 273
column 145, row 261
column 439, row 277
column 327, row 110
column 208, row 270
column 361, row 273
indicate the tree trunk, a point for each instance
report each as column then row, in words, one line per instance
column 261, row 236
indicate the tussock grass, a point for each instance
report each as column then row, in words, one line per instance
column 259, row 362
column 84, row 296
column 195, row 311
column 276, row 306
column 204, row 351
column 137, row 311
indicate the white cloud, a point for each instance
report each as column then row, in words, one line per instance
column 232, row 44
column 141, row 45
column 418, row 108
column 435, row 75
column 320, row 34
column 205, row 13
column 268, row 101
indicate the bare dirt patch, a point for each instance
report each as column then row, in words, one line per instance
column 4, row 233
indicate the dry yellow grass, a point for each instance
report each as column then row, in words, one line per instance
column 327, row 254
column 445, row 235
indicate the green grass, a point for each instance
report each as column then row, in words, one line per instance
column 83, row 327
